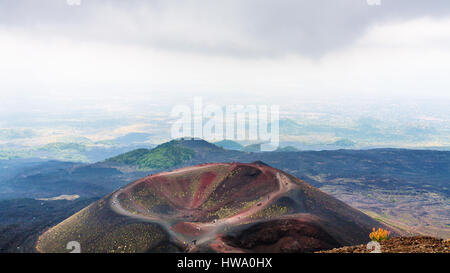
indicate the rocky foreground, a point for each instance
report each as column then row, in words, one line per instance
column 418, row 244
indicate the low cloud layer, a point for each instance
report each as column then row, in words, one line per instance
column 119, row 56
column 244, row 29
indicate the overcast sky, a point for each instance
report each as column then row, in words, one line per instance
column 114, row 53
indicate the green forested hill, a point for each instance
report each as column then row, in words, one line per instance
column 164, row 156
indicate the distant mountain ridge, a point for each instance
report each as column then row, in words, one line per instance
column 229, row 145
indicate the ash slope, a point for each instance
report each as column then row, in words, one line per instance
column 217, row 207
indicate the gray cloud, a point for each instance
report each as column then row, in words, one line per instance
column 251, row 28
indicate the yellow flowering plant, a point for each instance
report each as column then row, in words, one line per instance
column 379, row 235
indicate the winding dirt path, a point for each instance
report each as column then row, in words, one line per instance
column 213, row 229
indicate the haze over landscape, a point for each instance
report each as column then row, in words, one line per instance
column 370, row 75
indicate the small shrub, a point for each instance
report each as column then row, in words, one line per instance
column 379, row 235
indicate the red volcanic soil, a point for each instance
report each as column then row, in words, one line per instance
column 417, row 244
column 282, row 235
column 223, row 207
column 206, row 180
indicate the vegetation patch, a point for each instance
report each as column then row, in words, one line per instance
column 230, row 210
column 270, row 212
column 164, row 156
column 144, row 197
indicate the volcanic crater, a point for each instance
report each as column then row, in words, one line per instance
column 215, row 207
